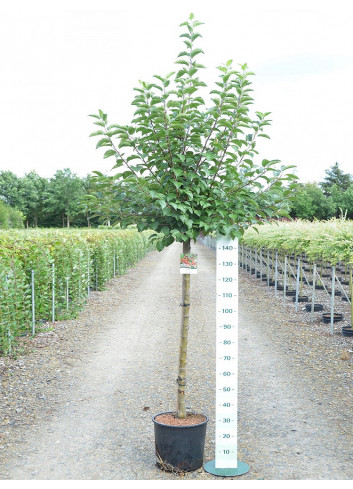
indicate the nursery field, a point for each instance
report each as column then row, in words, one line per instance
column 329, row 241
column 80, row 406
column 47, row 275
column 311, row 263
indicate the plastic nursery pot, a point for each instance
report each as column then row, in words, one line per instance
column 337, row 316
column 317, row 307
column 301, row 298
column 281, row 287
column 179, row 448
column 344, row 298
column 347, row 331
column 337, row 292
column 290, row 293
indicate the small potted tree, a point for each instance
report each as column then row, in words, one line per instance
column 187, row 167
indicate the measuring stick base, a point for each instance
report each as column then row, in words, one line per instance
column 242, row 468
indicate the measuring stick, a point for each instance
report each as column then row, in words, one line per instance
column 226, row 461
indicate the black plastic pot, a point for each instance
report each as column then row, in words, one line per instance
column 317, row 307
column 337, row 316
column 344, row 298
column 179, row 448
column 302, row 298
column 317, row 286
column 347, row 331
column 290, row 293
column 280, row 287
column 337, row 292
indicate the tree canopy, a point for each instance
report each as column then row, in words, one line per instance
column 187, row 166
column 336, row 177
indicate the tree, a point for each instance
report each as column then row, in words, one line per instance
column 310, row 203
column 33, row 189
column 11, row 190
column 9, row 217
column 343, row 201
column 346, row 203
column 187, row 167
column 64, row 194
column 100, row 199
column 335, row 176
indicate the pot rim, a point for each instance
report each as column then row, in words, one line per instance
column 179, row 426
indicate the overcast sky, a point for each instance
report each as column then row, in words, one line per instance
column 62, row 60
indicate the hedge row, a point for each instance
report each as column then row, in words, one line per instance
column 47, row 275
column 331, row 241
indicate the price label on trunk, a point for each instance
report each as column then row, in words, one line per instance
column 226, row 353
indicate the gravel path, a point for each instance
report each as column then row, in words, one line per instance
column 81, row 407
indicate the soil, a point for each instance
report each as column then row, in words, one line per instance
column 170, row 419
column 77, row 401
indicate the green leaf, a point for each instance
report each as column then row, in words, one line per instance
column 162, row 203
column 110, row 152
column 177, row 171
column 103, row 142
column 195, row 52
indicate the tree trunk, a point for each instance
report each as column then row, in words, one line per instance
column 185, row 305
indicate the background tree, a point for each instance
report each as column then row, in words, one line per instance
column 311, row 203
column 343, row 201
column 336, row 177
column 9, row 217
column 100, row 202
column 64, row 195
column 33, row 190
column 190, row 166
column 11, row 190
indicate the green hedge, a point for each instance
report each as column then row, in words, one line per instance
column 64, row 265
column 331, row 241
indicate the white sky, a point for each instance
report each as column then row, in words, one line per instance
column 62, row 60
